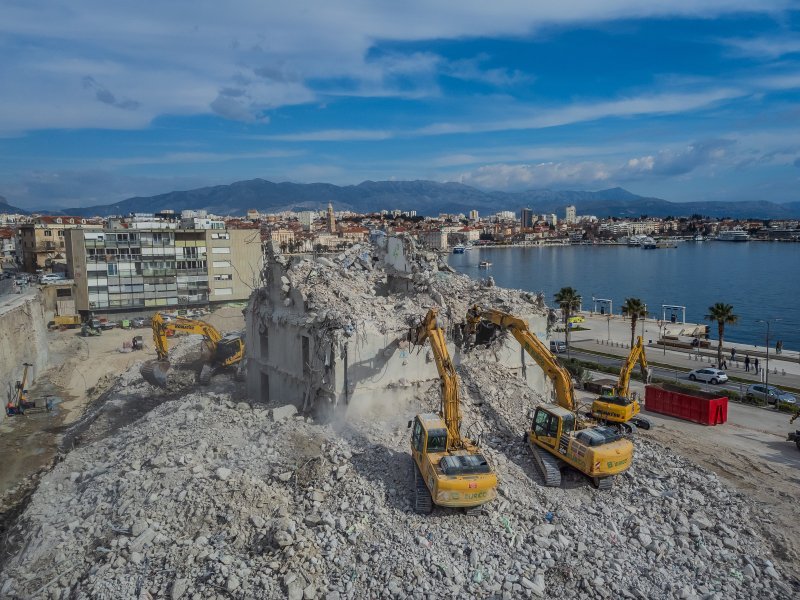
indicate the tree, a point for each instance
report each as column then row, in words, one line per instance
column 723, row 315
column 569, row 300
column 635, row 309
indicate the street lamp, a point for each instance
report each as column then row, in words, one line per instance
column 766, row 378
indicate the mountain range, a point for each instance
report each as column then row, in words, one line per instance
column 5, row 207
column 427, row 198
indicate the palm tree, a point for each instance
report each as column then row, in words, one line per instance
column 635, row 309
column 723, row 314
column 570, row 301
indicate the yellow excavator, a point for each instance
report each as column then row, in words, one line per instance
column 619, row 408
column 449, row 470
column 558, row 437
column 225, row 350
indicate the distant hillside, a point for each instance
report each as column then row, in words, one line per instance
column 5, row 207
column 427, row 198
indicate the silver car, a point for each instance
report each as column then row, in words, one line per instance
column 770, row 394
column 709, row 375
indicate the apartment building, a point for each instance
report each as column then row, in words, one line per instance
column 42, row 241
column 140, row 269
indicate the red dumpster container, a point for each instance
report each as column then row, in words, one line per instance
column 700, row 407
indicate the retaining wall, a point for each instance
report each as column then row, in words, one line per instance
column 23, row 338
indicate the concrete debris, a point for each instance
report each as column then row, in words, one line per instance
column 353, row 311
column 199, row 499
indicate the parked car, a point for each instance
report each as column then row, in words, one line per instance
column 52, row 278
column 138, row 322
column 709, row 375
column 770, row 395
column 21, row 280
column 557, row 346
column 108, row 324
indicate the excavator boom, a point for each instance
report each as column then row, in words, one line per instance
column 451, row 402
column 636, row 354
column 562, row 382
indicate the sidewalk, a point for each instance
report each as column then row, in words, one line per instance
column 784, row 369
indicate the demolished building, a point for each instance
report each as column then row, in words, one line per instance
column 329, row 331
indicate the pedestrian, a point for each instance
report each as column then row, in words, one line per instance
column 723, row 365
column 778, row 346
column 747, row 362
column 733, row 353
column 755, row 364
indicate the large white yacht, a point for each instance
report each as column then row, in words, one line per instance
column 733, row 235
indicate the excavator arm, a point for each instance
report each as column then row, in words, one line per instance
column 155, row 372
column 636, row 354
column 162, row 327
column 562, row 382
column 451, row 402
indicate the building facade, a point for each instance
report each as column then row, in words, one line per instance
column 571, row 216
column 42, row 242
column 142, row 269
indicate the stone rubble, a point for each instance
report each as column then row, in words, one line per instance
column 363, row 284
column 210, row 497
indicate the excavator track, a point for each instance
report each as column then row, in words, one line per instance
column 423, row 503
column 642, row 422
column 549, row 466
column 604, row 483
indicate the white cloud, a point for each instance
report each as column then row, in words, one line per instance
column 177, row 59
column 764, row 47
column 542, row 175
column 667, row 162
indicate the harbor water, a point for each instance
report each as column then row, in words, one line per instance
column 760, row 279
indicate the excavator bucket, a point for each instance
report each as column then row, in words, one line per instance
column 154, row 372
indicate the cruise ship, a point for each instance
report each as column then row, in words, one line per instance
column 733, row 235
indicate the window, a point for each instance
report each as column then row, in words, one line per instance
column 222, row 264
column 48, row 233
column 541, row 424
column 416, row 436
column 220, row 251
column 437, row 440
column 220, row 236
column 60, row 233
column 112, row 269
column 223, row 277
column 223, row 291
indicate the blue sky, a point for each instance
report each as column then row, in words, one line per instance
column 683, row 100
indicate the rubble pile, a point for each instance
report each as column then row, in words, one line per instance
column 206, row 497
column 364, row 284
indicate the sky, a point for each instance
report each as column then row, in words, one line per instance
column 682, row 100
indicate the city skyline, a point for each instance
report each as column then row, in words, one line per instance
column 680, row 102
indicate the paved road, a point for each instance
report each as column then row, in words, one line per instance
column 658, row 372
